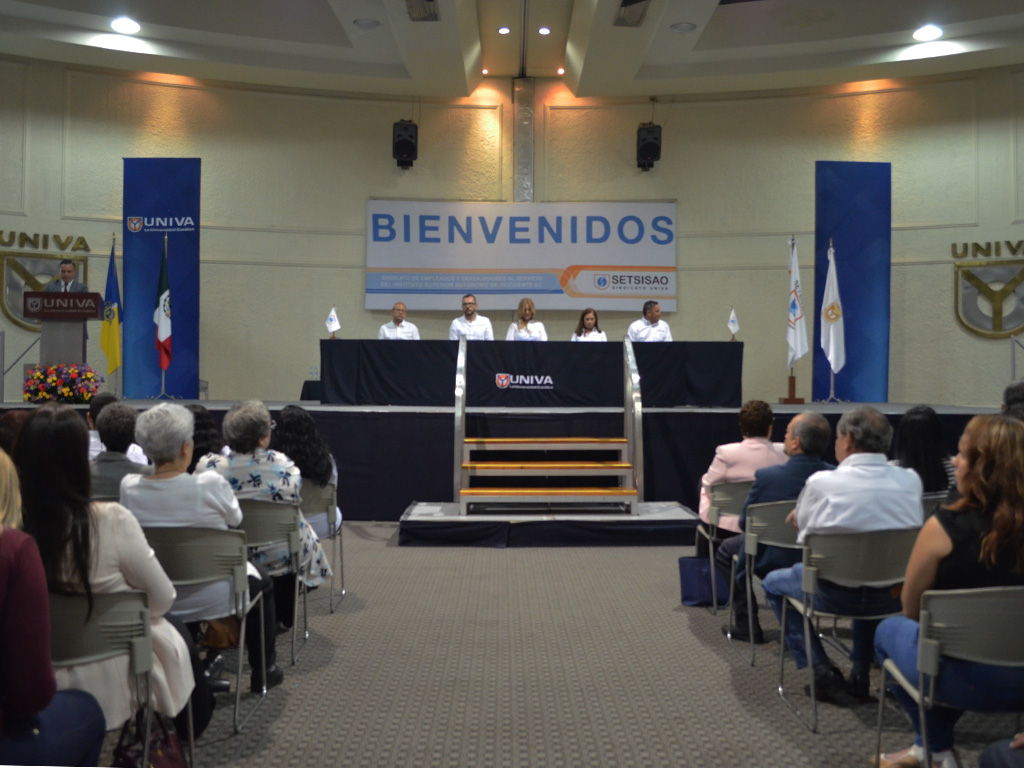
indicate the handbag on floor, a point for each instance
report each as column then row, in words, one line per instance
column 695, row 582
column 164, row 746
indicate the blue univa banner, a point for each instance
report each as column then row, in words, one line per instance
column 161, row 197
column 853, row 211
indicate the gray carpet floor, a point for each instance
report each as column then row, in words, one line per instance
column 535, row 657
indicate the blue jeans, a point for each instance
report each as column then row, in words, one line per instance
column 855, row 601
column 963, row 684
column 69, row 731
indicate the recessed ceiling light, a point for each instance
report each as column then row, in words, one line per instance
column 561, row 70
column 544, row 31
column 366, row 24
column 683, row 27
column 484, row 71
column 124, row 25
column 503, row 30
column 928, row 33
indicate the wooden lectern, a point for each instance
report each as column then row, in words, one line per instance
column 63, row 317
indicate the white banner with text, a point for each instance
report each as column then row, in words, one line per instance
column 611, row 256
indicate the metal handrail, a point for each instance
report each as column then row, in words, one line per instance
column 3, row 360
column 460, row 415
column 633, row 428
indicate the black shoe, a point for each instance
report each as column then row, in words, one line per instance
column 828, row 684
column 741, row 633
column 858, row 685
column 275, row 676
column 218, row 685
column 213, row 664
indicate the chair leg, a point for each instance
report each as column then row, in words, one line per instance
column 750, row 605
column 263, row 662
column 711, row 571
column 811, row 725
column 191, row 737
column 881, row 713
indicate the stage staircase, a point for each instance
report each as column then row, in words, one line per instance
column 489, row 471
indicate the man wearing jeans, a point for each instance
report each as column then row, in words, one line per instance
column 864, row 493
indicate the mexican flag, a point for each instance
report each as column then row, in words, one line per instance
column 162, row 313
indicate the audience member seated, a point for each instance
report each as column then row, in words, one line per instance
column 919, row 446
column 99, row 547
column 100, row 401
column 298, row 438
column 1014, row 393
column 864, row 493
column 807, row 437
column 173, row 498
column 255, row 472
column 10, row 427
column 206, row 436
column 737, row 463
column 977, row 541
column 38, row 724
column 116, row 426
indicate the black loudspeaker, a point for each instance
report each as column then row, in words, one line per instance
column 648, row 145
column 404, row 138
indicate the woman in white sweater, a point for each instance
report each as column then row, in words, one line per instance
column 525, row 328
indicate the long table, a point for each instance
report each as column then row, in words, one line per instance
column 556, row 374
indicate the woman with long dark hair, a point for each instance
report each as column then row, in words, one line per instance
column 977, row 541
column 588, row 328
column 298, row 438
column 39, row 725
column 918, row 445
column 96, row 547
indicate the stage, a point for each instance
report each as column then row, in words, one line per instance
column 658, row 523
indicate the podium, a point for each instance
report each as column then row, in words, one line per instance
column 63, row 317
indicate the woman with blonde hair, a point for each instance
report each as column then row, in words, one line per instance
column 525, row 328
column 977, row 541
column 38, row 724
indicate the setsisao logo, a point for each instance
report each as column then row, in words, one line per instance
column 601, row 281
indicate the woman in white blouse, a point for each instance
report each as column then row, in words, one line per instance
column 525, row 328
column 587, row 329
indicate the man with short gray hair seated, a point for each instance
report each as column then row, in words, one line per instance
column 864, row 493
column 116, row 427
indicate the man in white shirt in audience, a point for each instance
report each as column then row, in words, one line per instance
column 399, row 329
column 650, row 327
column 864, row 493
column 471, row 325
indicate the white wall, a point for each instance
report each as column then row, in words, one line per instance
column 286, row 178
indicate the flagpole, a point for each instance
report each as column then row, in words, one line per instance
column 117, row 373
column 163, row 371
column 791, row 398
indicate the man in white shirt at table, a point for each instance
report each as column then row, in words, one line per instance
column 650, row 327
column 471, row 325
column 398, row 329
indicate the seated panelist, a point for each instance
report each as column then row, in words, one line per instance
column 525, row 327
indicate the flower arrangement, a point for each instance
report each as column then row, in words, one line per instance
column 61, row 384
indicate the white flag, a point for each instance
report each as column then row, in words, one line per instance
column 796, row 330
column 833, row 340
column 332, row 320
column 734, row 324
